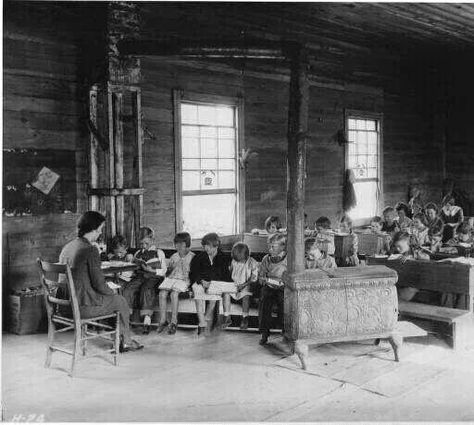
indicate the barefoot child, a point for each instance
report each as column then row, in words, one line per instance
column 244, row 270
column 176, row 282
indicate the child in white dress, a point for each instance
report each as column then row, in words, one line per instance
column 244, row 270
column 176, row 282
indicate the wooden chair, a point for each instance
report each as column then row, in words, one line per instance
column 53, row 276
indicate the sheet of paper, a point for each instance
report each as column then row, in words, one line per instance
column 45, row 180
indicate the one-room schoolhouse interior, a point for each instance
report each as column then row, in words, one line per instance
column 237, row 211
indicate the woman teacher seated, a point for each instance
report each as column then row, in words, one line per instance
column 94, row 296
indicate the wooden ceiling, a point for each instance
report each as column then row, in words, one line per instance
column 392, row 26
column 448, row 24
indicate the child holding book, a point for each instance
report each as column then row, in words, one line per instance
column 315, row 258
column 208, row 267
column 352, row 259
column 404, row 251
column 244, row 271
column 463, row 235
column 120, row 252
column 141, row 290
column 270, row 277
column 176, row 282
column 324, row 235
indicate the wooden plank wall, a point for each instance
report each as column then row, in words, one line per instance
column 45, row 72
column 42, row 110
column 459, row 133
column 406, row 138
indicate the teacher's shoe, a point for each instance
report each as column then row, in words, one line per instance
column 133, row 346
column 264, row 339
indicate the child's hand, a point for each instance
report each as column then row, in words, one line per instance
column 206, row 284
column 110, row 256
column 148, row 269
column 129, row 258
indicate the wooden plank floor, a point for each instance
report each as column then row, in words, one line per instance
column 228, row 377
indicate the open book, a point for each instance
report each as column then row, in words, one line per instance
column 217, row 287
column 113, row 285
column 152, row 262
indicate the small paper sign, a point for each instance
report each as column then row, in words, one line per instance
column 45, row 180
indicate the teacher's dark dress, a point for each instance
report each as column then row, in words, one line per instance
column 95, row 298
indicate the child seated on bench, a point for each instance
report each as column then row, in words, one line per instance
column 324, row 235
column 404, row 222
column 376, row 225
column 176, row 282
column 272, row 225
column 435, row 239
column 345, row 226
column 403, row 252
column 463, row 235
column 419, row 230
column 120, row 252
column 244, row 271
column 207, row 266
column 315, row 258
column 142, row 287
column 390, row 225
column 270, row 277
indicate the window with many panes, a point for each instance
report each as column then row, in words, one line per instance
column 207, row 163
column 363, row 157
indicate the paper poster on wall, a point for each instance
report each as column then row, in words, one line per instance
column 45, row 180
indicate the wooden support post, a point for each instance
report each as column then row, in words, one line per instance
column 137, row 112
column 111, row 163
column 118, row 158
column 297, row 134
column 94, row 149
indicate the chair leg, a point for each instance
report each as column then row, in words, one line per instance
column 77, row 349
column 117, row 339
column 49, row 350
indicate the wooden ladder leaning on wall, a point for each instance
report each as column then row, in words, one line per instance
column 116, row 176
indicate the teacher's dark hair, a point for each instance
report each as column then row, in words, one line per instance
column 89, row 221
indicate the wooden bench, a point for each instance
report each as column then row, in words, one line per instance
column 187, row 305
column 441, row 277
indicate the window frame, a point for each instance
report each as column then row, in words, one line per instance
column 366, row 115
column 180, row 96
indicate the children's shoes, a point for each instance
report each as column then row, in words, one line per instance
column 245, row 323
column 162, row 327
column 226, row 322
column 172, row 329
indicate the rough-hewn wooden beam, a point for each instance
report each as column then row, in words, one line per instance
column 297, row 135
column 206, row 49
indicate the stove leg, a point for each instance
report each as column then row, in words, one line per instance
column 301, row 350
column 396, row 341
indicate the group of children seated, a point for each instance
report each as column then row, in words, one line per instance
column 213, row 276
